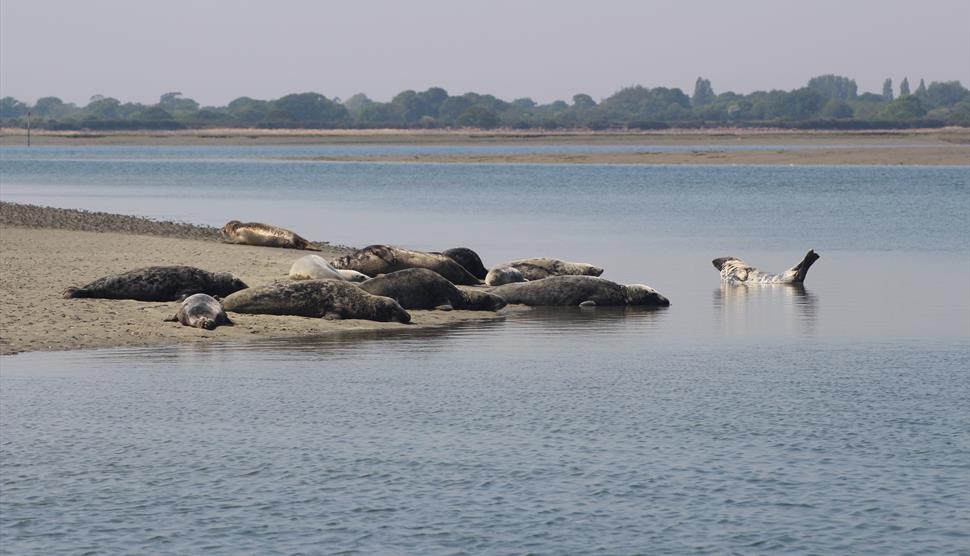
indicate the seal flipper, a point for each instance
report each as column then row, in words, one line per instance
column 801, row 269
column 173, row 318
column 75, row 293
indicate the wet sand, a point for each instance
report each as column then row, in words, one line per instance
column 37, row 263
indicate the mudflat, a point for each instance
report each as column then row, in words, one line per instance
column 38, row 262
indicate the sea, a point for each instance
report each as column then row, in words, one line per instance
column 832, row 418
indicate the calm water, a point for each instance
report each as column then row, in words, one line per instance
column 829, row 419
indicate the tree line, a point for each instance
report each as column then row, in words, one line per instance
column 826, row 101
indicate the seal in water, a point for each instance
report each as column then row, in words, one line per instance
column 420, row 288
column 201, row 311
column 503, row 275
column 266, row 235
column 468, row 259
column 382, row 259
column 330, row 299
column 734, row 269
column 538, row 268
column 315, row 267
column 571, row 291
column 159, row 283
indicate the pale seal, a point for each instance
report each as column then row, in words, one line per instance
column 159, row 283
column 541, row 267
column 201, row 311
column 266, row 235
column 468, row 259
column 420, row 288
column 503, row 275
column 571, row 291
column 735, row 270
column 315, row 267
column 382, row 259
column 330, row 299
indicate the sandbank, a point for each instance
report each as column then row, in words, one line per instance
column 38, row 262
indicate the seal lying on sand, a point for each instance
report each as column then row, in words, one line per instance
column 538, row 268
column 330, row 299
column 503, row 275
column 382, row 259
column 570, row 291
column 201, row 311
column 266, row 235
column 159, row 283
column 468, row 259
column 315, row 267
column 734, row 269
column 420, row 288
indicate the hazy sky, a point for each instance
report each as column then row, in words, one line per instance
column 217, row 50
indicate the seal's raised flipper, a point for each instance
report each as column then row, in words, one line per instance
column 801, row 269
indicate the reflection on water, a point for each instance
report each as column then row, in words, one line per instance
column 742, row 307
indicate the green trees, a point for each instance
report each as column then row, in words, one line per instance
column 703, row 93
column 834, row 87
column 827, row 101
column 887, row 89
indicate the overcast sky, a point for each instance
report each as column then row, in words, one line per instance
column 217, row 50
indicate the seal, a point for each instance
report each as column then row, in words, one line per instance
column 266, row 235
column 571, row 291
column 420, row 288
column 315, row 267
column 159, row 283
column 503, row 275
column 735, row 270
column 468, row 259
column 330, row 299
column 201, row 311
column 538, row 268
column 382, row 259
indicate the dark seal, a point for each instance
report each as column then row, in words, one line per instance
column 382, row 259
column 420, row 288
column 569, row 291
column 329, row 299
column 159, row 283
column 469, row 260
column 201, row 311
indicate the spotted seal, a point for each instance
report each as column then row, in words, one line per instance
column 420, row 288
column 159, row 283
column 501, row 275
column 201, row 311
column 733, row 269
column 468, row 259
column 382, row 259
column 569, row 291
column 542, row 267
column 266, row 235
column 330, row 299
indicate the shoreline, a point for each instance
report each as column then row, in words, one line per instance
column 745, row 146
column 39, row 262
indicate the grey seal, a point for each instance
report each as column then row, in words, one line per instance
column 159, row 283
column 382, row 259
column 501, row 275
column 330, row 299
column 468, row 259
column 201, row 311
column 420, row 288
column 542, row 267
column 570, row 291
column 315, row 267
column 734, row 269
column 266, row 235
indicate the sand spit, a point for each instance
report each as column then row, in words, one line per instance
column 43, row 251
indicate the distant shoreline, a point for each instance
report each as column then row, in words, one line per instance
column 931, row 147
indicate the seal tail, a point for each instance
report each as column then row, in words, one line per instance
column 75, row 293
column 801, row 269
